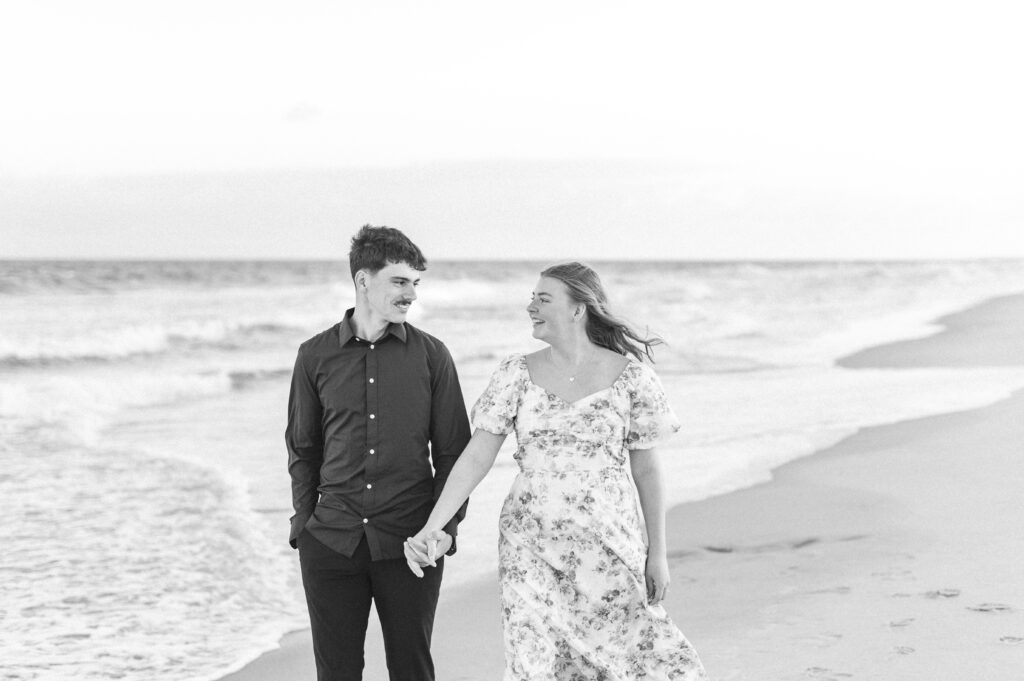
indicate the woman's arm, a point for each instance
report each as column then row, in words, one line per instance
column 647, row 476
column 471, row 467
column 477, row 458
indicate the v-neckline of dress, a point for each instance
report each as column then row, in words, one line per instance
column 573, row 403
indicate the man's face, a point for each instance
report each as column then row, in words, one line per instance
column 391, row 291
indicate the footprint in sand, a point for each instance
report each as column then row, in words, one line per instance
column 719, row 549
column 902, row 623
column 892, row 575
column 990, row 607
column 1011, row 639
column 804, row 542
column 842, row 590
column 793, row 544
column 826, row 674
column 825, row 640
column 943, row 593
column 903, row 650
column 676, row 558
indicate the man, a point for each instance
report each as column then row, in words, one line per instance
column 367, row 396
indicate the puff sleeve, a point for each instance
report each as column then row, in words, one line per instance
column 495, row 410
column 651, row 419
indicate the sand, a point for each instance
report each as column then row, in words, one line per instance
column 896, row 554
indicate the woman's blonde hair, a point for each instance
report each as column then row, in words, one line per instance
column 604, row 328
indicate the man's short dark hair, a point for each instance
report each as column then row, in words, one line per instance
column 373, row 248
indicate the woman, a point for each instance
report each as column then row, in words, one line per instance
column 580, row 589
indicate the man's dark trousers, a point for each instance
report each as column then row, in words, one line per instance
column 339, row 590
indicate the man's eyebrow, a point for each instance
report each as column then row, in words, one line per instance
column 541, row 293
column 415, row 281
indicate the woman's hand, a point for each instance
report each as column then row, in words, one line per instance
column 425, row 548
column 657, row 577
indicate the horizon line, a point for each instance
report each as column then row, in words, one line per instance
column 459, row 260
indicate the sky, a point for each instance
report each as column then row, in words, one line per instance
column 514, row 130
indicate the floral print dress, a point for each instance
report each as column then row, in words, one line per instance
column 571, row 551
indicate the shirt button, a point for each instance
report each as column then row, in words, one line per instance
column 371, row 346
column 371, row 380
column 372, row 416
column 369, row 487
column 373, row 451
column 365, row 520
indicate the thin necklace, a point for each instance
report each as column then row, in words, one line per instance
column 580, row 365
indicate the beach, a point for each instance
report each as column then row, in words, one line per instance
column 894, row 554
column 142, row 406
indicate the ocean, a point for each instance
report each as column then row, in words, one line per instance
column 144, row 490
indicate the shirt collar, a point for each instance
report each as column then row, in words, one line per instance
column 346, row 333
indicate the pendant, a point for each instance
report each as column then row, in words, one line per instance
column 572, row 378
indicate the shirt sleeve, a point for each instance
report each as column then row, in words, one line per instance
column 495, row 410
column 449, row 429
column 305, row 441
column 651, row 419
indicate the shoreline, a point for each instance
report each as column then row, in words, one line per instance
column 982, row 335
column 873, row 558
column 890, row 555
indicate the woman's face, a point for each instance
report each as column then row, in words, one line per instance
column 551, row 310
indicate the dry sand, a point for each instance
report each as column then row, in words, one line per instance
column 896, row 554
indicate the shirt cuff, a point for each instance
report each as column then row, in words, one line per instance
column 299, row 521
column 452, row 528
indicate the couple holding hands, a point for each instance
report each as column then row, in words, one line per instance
column 382, row 463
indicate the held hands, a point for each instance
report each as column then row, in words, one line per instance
column 425, row 548
column 657, row 577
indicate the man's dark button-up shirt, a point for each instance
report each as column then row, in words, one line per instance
column 360, row 417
